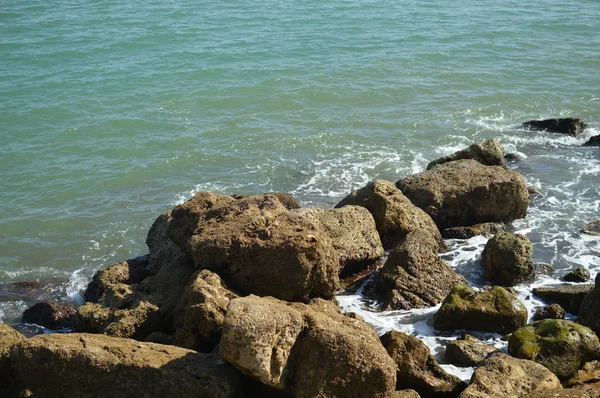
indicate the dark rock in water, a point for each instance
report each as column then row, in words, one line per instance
column 592, row 228
column 512, row 157
column 568, row 296
column 486, row 229
column 508, row 259
column 52, row 315
column 496, row 310
column 571, row 126
column 504, row 376
column 488, row 153
column 561, row 346
column 553, row 311
column 465, row 192
column 578, row 275
column 394, row 214
column 589, row 312
column 542, row 269
column 594, row 141
column 413, row 275
column 418, row 369
column 467, row 352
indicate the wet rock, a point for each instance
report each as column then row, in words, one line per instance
column 307, row 350
column 467, row 352
column 52, row 315
column 394, row 214
column 594, row 141
column 569, row 297
column 257, row 246
column 82, row 365
column 578, row 275
column 589, row 311
column 569, row 125
column 465, row 192
column 200, row 319
column 513, row 157
column 542, row 269
column 592, row 228
column 496, row 310
column 508, row 259
column 353, row 235
column 504, row 376
column 553, row 311
column 488, row 153
column 413, row 275
column 486, row 229
column 561, row 346
column 418, row 369
column 588, row 374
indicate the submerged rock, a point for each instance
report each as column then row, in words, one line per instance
column 394, row 214
column 569, row 125
column 593, row 141
column 465, row 192
column 488, row 153
column 487, row 229
column 467, row 352
column 508, row 259
column 52, row 315
column 554, row 311
column 496, row 310
column 569, row 297
column 561, row 346
column 417, row 368
column 592, row 228
column 577, row 275
column 413, row 275
column 507, row 377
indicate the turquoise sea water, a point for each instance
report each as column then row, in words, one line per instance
column 112, row 113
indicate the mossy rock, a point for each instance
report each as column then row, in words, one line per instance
column 561, row 346
column 496, row 310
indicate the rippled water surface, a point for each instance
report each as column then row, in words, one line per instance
column 113, row 112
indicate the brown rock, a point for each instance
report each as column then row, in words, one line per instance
column 569, row 297
column 569, row 125
column 488, row 153
column 9, row 386
column 467, row 352
column 413, row 275
column 395, row 215
column 52, row 315
column 286, row 199
column 508, row 259
column 553, row 311
column 487, row 229
column 404, row 394
column 592, row 228
column 589, row 311
column 417, row 368
column 584, row 391
column 588, row 374
column 578, row 275
column 465, row 192
column 507, row 377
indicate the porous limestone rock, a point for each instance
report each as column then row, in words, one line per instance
column 553, row 311
column 488, row 153
column 487, row 229
column 508, row 259
column 467, row 352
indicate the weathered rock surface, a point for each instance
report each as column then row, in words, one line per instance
column 465, row 192
column 200, row 319
column 394, row 214
column 286, row 199
column 507, row 377
column 488, row 153
column 569, row 297
column 561, row 346
column 84, row 365
column 583, row 391
column 589, row 311
column 588, row 374
column 467, row 352
column 508, row 259
column 593, row 141
column 257, row 246
column 413, row 275
column 496, row 310
column 577, row 275
column 52, row 315
column 569, row 125
column 592, row 228
column 353, row 235
column 9, row 385
column 404, row 394
column 417, row 368
column 308, row 350
column 487, row 229
column 553, row 311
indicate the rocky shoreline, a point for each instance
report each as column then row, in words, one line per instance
column 236, row 297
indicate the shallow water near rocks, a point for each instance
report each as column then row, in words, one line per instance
column 113, row 113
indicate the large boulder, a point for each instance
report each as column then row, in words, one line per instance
column 508, row 259
column 488, row 153
column 496, row 310
column 561, row 346
column 200, row 318
column 465, row 192
column 413, row 275
column 568, row 125
column 84, row 365
column 417, row 368
column 569, row 297
column 507, row 377
column 52, row 315
column 467, row 351
column 307, row 350
column 257, row 246
column 353, row 234
column 394, row 214
column 487, row 229
column 589, row 311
